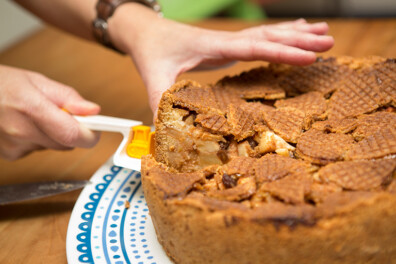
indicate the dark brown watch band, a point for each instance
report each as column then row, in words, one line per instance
column 105, row 9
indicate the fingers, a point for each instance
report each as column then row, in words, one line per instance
column 247, row 49
column 31, row 117
column 19, row 136
column 12, row 150
column 58, row 125
column 270, row 44
column 302, row 40
column 63, row 96
column 17, row 127
column 319, row 28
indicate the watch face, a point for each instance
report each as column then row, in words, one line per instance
column 100, row 24
column 99, row 27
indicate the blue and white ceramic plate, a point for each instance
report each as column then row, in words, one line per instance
column 102, row 230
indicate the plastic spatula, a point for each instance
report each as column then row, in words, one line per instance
column 136, row 140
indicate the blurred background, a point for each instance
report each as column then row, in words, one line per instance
column 16, row 24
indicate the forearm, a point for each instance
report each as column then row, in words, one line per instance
column 76, row 16
column 73, row 16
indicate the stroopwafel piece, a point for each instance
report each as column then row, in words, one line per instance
column 290, row 189
column 319, row 191
column 369, row 124
column 322, row 148
column 378, row 145
column 243, row 166
column 360, row 175
column 214, row 122
column 287, row 122
column 171, row 183
column 236, row 190
column 258, row 83
column 323, row 76
column 385, row 75
column 194, row 97
column 312, row 103
column 273, row 167
column 356, row 96
column 257, row 110
column 344, row 125
column 225, row 97
column 240, row 122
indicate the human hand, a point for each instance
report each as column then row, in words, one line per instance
column 31, row 117
column 162, row 49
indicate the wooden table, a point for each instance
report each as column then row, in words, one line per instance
column 35, row 231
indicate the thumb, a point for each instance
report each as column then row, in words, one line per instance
column 64, row 96
column 157, row 84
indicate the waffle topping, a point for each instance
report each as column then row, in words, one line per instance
column 367, row 125
column 236, row 188
column 171, row 183
column 240, row 122
column 257, row 110
column 323, row 76
column 360, row 175
column 242, row 166
column 344, row 125
column 286, row 122
column 322, row 148
column 256, row 84
column 356, row 96
column 224, row 97
column 385, row 75
column 215, row 123
column 380, row 144
column 319, row 191
column 311, row 103
column 291, row 189
column 273, row 167
column 199, row 99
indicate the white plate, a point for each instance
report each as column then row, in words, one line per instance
column 102, row 230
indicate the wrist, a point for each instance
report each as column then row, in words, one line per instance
column 126, row 24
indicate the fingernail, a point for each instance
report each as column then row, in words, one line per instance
column 88, row 105
column 82, row 108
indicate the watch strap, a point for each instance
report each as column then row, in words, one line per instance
column 105, row 9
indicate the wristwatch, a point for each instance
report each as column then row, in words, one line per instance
column 105, row 9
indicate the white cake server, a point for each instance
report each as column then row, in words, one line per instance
column 137, row 139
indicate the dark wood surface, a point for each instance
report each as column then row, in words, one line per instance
column 35, row 232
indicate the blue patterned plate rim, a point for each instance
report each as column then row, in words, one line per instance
column 103, row 230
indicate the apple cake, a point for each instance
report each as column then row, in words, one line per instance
column 279, row 164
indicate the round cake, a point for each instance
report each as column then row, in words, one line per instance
column 280, row 164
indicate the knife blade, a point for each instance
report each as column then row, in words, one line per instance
column 29, row 191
